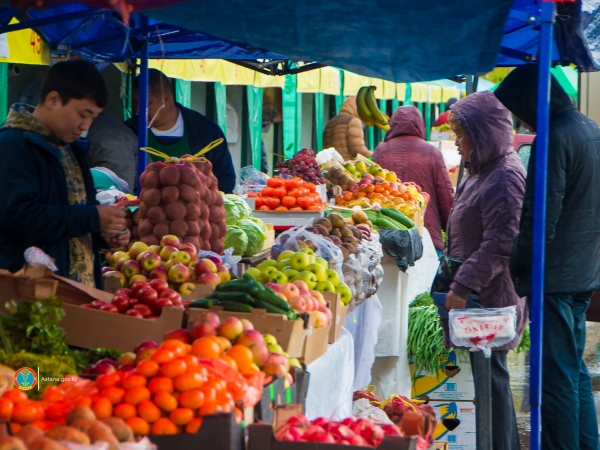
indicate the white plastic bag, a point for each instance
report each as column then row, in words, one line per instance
column 35, row 256
column 327, row 155
column 229, row 260
column 483, row 329
column 362, row 409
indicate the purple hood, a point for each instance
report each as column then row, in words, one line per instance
column 491, row 133
column 406, row 121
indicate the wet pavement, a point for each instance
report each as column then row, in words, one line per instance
column 519, row 373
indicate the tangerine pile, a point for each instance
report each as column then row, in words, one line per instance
column 167, row 393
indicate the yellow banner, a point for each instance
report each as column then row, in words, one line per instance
column 353, row 82
column 449, row 92
column 435, row 94
column 23, row 47
column 308, row 82
column 189, row 69
column 266, row 81
column 401, row 92
column 418, row 92
column 389, row 90
column 330, row 81
column 234, row 74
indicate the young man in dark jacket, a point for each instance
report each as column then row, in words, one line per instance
column 177, row 131
column 48, row 197
column 572, row 266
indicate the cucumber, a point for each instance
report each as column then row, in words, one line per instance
column 388, row 223
column 239, row 297
column 398, row 217
column 235, row 307
column 241, row 285
column 291, row 314
column 372, row 215
column 273, row 299
column 203, row 303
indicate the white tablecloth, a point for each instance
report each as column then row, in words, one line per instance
column 332, row 380
column 390, row 373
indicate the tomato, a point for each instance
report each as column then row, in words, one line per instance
column 258, row 202
column 315, row 207
column 281, row 208
column 264, row 208
column 296, row 208
column 293, row 183
column 279, row 192
column 310, row 186
column 276, row 182
column 252, row 194
column 288, row 201
column 267, row 192
column 304, row 202
column 272, row 202
column 295, row 193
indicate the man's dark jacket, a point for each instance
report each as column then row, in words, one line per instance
column 201, row 132
column 34, row 205
column 573, row 203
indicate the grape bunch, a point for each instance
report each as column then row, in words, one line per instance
column 304, row 165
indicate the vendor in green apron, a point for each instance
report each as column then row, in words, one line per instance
column 177, row 131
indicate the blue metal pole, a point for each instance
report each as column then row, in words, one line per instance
column 143, row 108
column 539, row 220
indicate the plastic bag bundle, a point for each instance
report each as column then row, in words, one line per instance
column 483, row 329
column 35, row 256
column 251, row 176
column 362, row 409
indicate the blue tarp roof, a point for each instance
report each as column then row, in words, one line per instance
column 399, row 40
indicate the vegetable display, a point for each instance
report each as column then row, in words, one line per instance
column 245, row 234
column 293, row 194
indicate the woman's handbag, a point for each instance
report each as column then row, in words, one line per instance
column 444, row 277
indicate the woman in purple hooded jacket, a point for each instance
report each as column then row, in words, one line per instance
column 483, row 224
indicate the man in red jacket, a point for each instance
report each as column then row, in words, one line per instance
column 405, row 152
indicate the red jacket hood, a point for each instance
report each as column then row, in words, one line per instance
column 406, row 121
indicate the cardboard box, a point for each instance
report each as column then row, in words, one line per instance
column 218, row 432
column 453, row 381
column 456, row 425
column 113, row 284
column 298, row 338
column 338, row 314
column 441, row 445
column 261, row 437
column 270, row 237
column 85, row 327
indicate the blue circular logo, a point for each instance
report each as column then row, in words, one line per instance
column 25, row 378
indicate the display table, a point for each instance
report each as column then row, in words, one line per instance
column 390, row 373
column 363, row 324
column 331, row 381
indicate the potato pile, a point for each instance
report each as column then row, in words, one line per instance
column 182, row 199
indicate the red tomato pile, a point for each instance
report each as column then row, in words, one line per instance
column 293, row 194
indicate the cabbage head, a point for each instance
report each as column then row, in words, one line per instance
column 236, row 238
column 244, row 210
column 232, row 211
column 256, row 236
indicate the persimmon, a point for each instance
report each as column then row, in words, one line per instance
column 193, row 425
column 134, row 380
column 102, row 407
column 114, row 394
column 125, row 411
column 181, row 416
column 136, row 395
column 138, row 426
column 174, row 368
column 6, row 409
column 147, row 368
column 15, row 395
column 241, row 354
column 161, row 384
column 165, row 401
column 192, row 399
column 188, row 381
column 27, row 413
column 148, row 411
column 163, row 355
column 164, row 426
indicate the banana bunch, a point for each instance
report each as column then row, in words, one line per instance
column 368, row 111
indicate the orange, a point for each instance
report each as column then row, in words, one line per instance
column 165, row 401
column 164, row 426
column 136, row 395
column 125, row 411
column 161, row 384
column 109, row 379
column 114, row 394
column 188, row 381
column 192, row 399
column 163, row 355
column 206, row 348
column 181, row 416
column 193, row 425
column 138, row 425
column 218, row 341
column 102, row 407
column 178, row 347
column 148, row 411
column 147, row 368
column 134, row 380
column 174, row 368
column 242, row 355
column 191, row 362
column 229, row 360
column 207, row 408
column 6, row 409
column 27, row 413
column 16, row 396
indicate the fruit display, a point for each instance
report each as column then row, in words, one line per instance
column 302, row 299
column 132, row 217
column 350, row 431
column 369, row 113
column 245, row 234
column 182, row 198
column 361, row 166
column 337, row 175
column 175, row 263
column 303, row 165
column 293, row 194
column 253, row 349
column 304, row 269
column 385, row 217
column 336, row 229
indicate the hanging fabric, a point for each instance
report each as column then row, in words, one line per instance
column 319, row 120
column 3, row 91
column 290, row 112
column 183, row 92
column 255, row 103
column 221, row 105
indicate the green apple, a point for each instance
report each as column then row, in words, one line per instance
column 286, row 254
column 289, row 272
column 313, row 258
column 253, row 272
column 319, row 271
column 322, row 261
column 345, row 293
column 117, row 256
column 310, row 251
column 325, row 286
column 278, row 277
column 270, row 340
column 267, row 263
column 308, row 277
column 299, row 261
column 283, row 263
column 266, row 273
column 333, row 277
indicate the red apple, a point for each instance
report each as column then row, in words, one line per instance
column 144, row 310
column 210, row 317
column 109, row 308
column 190, row 249
column 177, row 304
column 231, row 328
column 149, row 261
column 205, row 265
column 124, row 291
column 103, row 369
column 179, row 274
column 97, row 304
column 145, row 345
column 247, row 324
column 250, row 337
column 106, row 269
column 119, row 264
column 276, row 358
column 137, row 248
column 131, row 268
column 223, row 273
column 87, row 305
column 159, row 285
column 166, row 252
column 215, row 259
column 121, row 301
column 133, row 301
column 181, row 334
column 129, row 367
column 137, row 287
column 147, row 296
column 203, row 329
column 170, row 240
column 171, row 295
column 159, row 273
column 186, row 303
column 161, row 303
column 209, row 279
column 260, row 354
column 137, row 279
